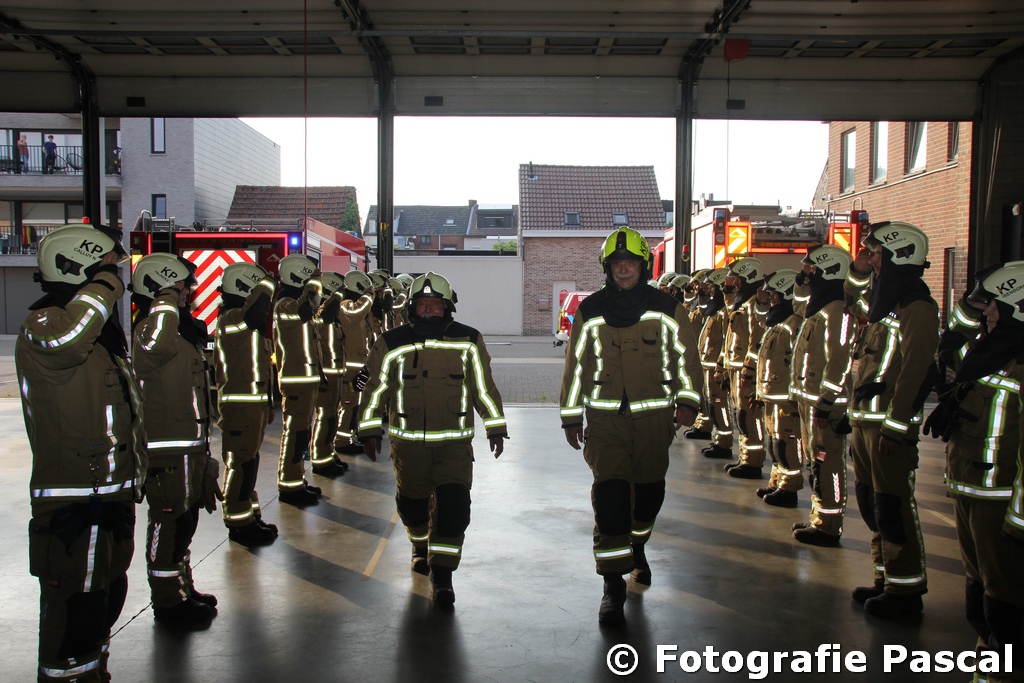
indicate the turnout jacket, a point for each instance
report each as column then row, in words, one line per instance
column 712, row 338
column 742, row 337
column 82, row 407
column 357, row 332
column 983, row 451
column 893, row 358
column 821, row 360
column 775, row 358
column 242, row 353
column 430, row 386
column 175, row 381
column 627, row 370
column 296, row 337
column 332, row 338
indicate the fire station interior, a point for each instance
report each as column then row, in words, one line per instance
column 333, row 599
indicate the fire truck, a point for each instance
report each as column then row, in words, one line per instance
column 212, row 245
column 724, row 232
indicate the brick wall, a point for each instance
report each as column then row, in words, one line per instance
column 936, row 200
column 550, row 259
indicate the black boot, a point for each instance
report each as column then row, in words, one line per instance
column 267, row 525
column 717, row 452
column 300, row 497
column 862, row 594
column 252, row 535
column 812, row 536
column 441, row 587
column 694, row 433
column 612, row 611
column 641, row 573
column 189, row 614
column 890, row 605
column 782, row 499
column 419, row 561
column 336, row 468
column 765, row 490
column 745, row 472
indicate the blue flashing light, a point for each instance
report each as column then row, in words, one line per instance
column 294, row 241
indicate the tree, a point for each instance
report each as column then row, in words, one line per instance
column 350, row 217
column 508, row 245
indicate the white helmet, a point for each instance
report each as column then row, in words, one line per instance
column 239, row 279
column 157, row 272
column 396, row 285
column 833, row 262
column 666, row 279
column 747, row 269
column 333, row 282
column 379, row 280
column 67, row 251
column 406, row 279
column 296, row 270
column 358, row 282
column 781, row 282
column 907, row 243
column 1005, row 285
column 679, row 281
column 717, row 276
column 699, row 275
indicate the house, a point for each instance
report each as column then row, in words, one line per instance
column 565, row 214
column 333, row 206
column 447, row 228
column 917, row 172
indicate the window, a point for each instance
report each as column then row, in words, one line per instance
column 916, row 139
column 620, row 218
column 879, row 150
column 572, row 217
column 424, row 239
column 159, row 206
column 849, row 160
column 158, row 137
column 953, row 141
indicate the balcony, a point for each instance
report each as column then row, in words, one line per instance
column 67, row 161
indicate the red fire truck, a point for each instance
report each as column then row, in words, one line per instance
column 212, row 245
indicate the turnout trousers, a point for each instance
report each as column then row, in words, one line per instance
column 242, row 428
column 82, row 569
column 433, row 483
column 298, row 404
column 348, row 411
column 175, row 497
column 628, row 456
column 884, row 486
column 325, row 422
column 825, row 453
column 749, row 421
column 718, row 411
column 782, row 438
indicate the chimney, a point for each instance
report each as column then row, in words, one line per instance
column 472, row 202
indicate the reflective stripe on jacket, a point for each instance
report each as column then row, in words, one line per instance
column 822, row 359
column 296, row 340
column 774, row 359
column 242, row 354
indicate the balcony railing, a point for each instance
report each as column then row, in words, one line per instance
column 67, row 161
column 24, row 240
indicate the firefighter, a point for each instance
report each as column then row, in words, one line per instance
column 244, row 396
column 383, row 300
column 299, row 372
column 739, row 362
column 625, row 377
column 357, row 301
column 83, row 416
column 781, row 416
column 328, row 400
column 709, row 349
column 895, row 354
column 168, row 352
column 702, row 426
column 432, row 373
column 819, row 384
column 979, row 415
column 665, row 281
column 397, row 316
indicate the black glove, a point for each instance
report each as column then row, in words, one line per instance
column 866, row 392
column 801, row 278
column 941, row 422
column 361, row 378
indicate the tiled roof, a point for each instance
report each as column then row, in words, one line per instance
column 425, row 220
column 594, row 191
column 509, row 212
column 325, row 204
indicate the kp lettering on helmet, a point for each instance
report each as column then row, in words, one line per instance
column 169, row 274
column 90, row 248
column 1007, row 286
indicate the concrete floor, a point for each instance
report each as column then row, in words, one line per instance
column 334, row 600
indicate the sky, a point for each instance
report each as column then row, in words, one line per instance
column 446, row 161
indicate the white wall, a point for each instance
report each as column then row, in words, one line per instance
column 230, row 153
column 490, row 288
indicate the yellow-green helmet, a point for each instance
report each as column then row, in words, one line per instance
column 626, row 243
column 699, row 275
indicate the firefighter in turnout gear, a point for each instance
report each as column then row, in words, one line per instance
column 358, row 335
column 244, row 396
column 328, row 400
column 299, row 372
column 431, row 374
column 979, row 414
column 626, row 379
column 819, row 384
column 739, row 362
column 398, row 315
column 781, row 415
column 702, row 426
column 709, row 351
column 895, row 354
column 168, row 352
column 83, row 416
